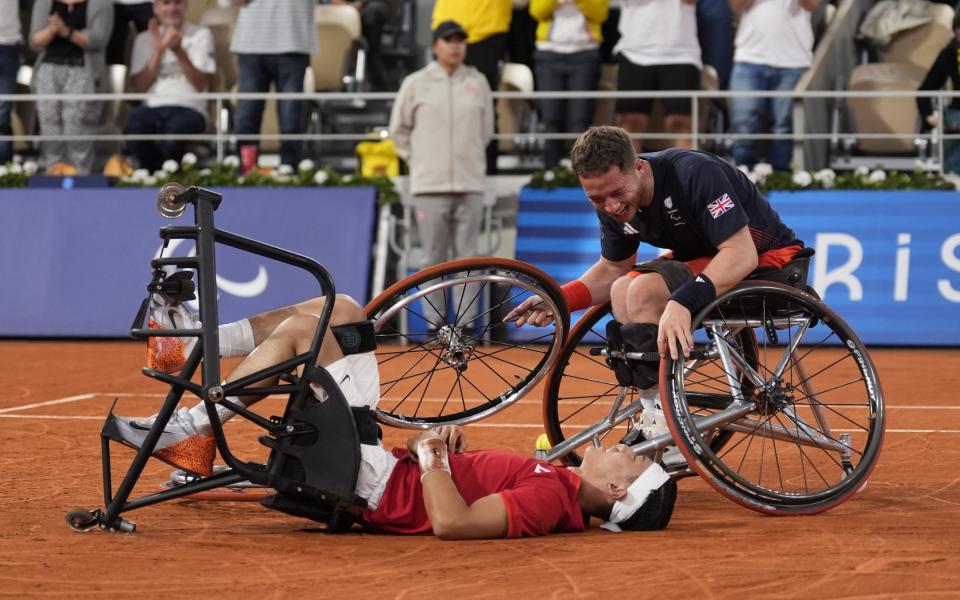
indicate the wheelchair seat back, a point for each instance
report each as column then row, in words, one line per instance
column 794, row 273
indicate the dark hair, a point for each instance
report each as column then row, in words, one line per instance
column 600, row 148
column 956, row 21
column 655, row 513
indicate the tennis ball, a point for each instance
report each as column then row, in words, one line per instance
column 543, row 443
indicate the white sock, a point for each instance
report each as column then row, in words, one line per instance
column 236, row 339
column 650, row 398
column 201, row 419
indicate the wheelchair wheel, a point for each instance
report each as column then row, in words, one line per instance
column 444, row 353
column 806, row 430
column 581, row 388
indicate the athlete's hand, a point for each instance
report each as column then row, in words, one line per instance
column 674, row 335
column 453, row 436
column 530, row 311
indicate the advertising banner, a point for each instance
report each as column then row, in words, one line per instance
column 77, row 262
column 887, row 261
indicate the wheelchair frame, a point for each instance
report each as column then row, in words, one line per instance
column 337, row 488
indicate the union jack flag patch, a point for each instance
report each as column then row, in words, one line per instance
column 720, row 206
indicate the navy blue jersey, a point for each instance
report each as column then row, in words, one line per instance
column 699, row 201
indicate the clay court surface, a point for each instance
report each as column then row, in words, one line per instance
column 899, row 538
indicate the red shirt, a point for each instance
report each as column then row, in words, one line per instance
column 540, row 497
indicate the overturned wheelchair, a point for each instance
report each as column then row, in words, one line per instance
column 778, row 406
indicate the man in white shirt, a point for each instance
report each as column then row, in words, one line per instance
column 774, row 48
column 658, row 50
column 9, row 63
column 172, row 61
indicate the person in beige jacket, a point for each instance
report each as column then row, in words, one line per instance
column 441, row 123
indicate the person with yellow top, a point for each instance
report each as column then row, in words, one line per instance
column 567, row 58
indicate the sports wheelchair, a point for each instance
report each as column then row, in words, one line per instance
column 778, row 406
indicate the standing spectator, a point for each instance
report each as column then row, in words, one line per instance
column 658, row 50
column 715, row 33
column 126, row 12
column 441, row 121
column 774, row 47
column 567, row 58
column 171, row 61
column 9, row 63
column 487, row 23
column 946, row 66
column 70, row 37
column 273, row 42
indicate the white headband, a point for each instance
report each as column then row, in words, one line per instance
column 636, row 495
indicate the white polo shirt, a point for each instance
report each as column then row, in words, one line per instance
column 171, row 87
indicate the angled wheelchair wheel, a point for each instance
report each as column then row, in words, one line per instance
column 581, row 389
column 446, row 357
column 805, row 424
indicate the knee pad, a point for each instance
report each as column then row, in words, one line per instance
column 633, row 337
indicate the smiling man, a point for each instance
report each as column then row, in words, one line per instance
column 714, row 223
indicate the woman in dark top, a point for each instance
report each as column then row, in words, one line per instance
column 947, row 65
column 70, row 36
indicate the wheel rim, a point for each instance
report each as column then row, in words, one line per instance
column 471, row 365
column 817, row 426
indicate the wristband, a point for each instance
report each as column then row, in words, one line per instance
column 577, row 295
column 432, row 457
column 695, row 294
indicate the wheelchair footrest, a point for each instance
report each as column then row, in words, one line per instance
column 338, row 515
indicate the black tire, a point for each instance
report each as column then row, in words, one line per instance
column 791, row 453
column 80, row 519
column 581, row 388
column 426, row 377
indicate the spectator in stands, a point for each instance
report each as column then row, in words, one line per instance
column 715, row 34
column 567, row 58
column 70, row 37
column 658, row 50
column 273, row 41
column 172, row 60
column 9, row 63
column 441, row 121
column 373, row 17
column 487, row 23
column 125, row 13
column 945, row 66
column 774, row 47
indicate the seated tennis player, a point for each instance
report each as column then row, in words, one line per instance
column 434, row 484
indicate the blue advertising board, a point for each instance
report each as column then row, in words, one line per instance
column 887, row 261
column 76, row 262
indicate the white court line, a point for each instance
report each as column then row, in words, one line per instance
column 472, row 425
column 49, row 403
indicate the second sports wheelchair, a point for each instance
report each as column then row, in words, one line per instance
column 778, row 407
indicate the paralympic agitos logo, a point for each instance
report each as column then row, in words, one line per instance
column 242, row 289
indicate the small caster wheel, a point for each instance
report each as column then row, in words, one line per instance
column 80, row 519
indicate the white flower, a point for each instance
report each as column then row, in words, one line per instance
column 231, row 161
column 3, row 170
column 140, row 175
column 802, row 178
column 240, row 180
column 754, row 178
column 16, row 169
column 549, row 176
column 150, row 181
column 824, row 175
column 171, row 166
column 877, row 176
column 306, row 165
column 347, row 178
column 566, row 163
column 189, row 159
column 205, row 172
column 285, row 170
column 763, row 169
column 159, row 174
column 30, row 167
column 17, row 159
column 320, row 177
column 744, row 169
column 827, row 183
column 862, row 171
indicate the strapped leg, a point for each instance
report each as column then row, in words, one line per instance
column 633, row 337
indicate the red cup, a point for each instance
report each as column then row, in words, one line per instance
column 248, row 158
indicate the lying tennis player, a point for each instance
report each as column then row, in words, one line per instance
column 434, row 484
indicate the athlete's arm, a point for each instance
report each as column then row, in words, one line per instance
column 735, row 259
column 597, row 279
column 451, row 518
